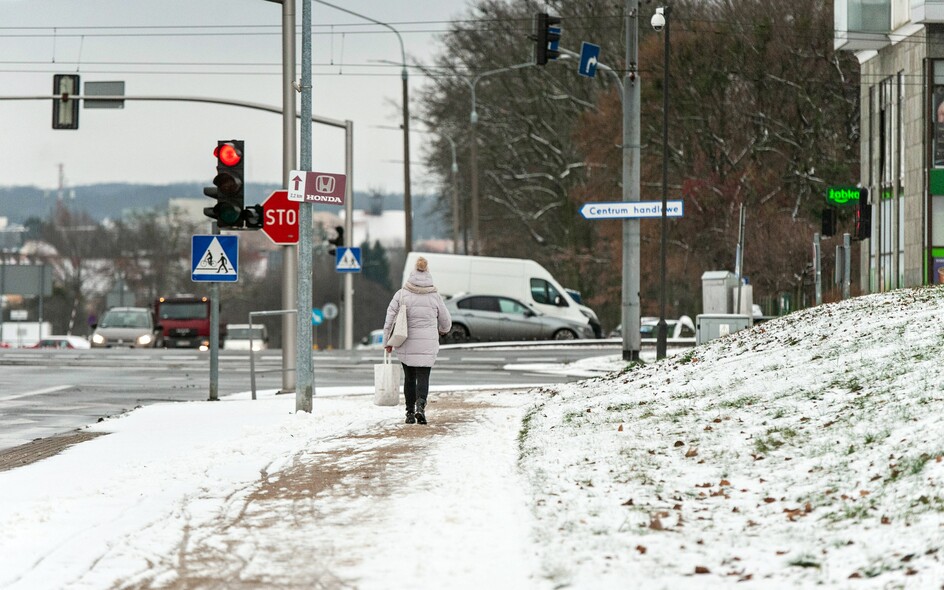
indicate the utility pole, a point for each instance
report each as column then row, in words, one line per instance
column 305, row 366
column 630, row 147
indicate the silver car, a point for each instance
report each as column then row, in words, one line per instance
column 489, row 318
column 127, row 327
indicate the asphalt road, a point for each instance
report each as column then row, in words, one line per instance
column 50, row 392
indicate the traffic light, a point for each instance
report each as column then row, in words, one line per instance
column 228, row 189
column 547, row 34
column 863, row 229
column 337, row 241
column 252, row 216
column 828, row 222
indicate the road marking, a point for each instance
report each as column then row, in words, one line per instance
column 36, row 392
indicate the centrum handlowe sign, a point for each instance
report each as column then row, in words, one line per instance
column 631, row 209
column 844, row 195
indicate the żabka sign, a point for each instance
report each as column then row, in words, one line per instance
column 317, row 187
column 844, row 195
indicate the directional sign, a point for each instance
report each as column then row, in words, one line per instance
column 316, row 187
column 589, row 56
column 330, row 311
column 348, row 260
column 317, row 317
column 214, row 259
column 280, row 218
column 631, row 209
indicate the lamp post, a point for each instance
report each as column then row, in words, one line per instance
column 407, row 199
column 660, row 22
column 455, row 197
column 474, row 151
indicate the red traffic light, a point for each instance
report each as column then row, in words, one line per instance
column 228, row 154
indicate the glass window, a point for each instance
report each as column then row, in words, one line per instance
column 511, row 306
column 479, row 303
column 184, row 311
column 544, row 292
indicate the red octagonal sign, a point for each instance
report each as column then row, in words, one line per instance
column 280, row 218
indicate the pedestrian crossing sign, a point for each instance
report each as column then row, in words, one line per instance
column 214, row 258
column 348, row 260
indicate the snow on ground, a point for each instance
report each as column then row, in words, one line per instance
column 804, row 452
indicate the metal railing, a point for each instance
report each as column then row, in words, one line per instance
column 252, row 351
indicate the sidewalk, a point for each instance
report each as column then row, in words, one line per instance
column 244, row 494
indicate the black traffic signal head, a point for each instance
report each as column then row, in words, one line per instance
column 863, row 227
column 337, row 241
column 547, row 34
column 828, row 222
column 228, row 189
column 253, row 216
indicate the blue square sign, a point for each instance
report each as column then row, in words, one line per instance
column 214, row 259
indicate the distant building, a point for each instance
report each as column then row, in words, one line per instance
column 900, row 46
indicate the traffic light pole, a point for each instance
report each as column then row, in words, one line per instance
column 214, row 331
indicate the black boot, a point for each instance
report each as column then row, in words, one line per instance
column 410, row 417
column 421, row 411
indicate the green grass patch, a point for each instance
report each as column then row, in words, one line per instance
column 741, row 402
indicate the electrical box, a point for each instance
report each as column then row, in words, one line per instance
column 716, row 287
column 715, row 325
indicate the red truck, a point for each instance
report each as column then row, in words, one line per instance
column 182, row 321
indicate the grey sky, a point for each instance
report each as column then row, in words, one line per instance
column 173, row 47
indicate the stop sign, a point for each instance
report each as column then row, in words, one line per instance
column 280, row 218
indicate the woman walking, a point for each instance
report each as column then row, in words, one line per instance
column 427, row 318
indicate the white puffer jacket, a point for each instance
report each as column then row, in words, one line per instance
column 427, row 318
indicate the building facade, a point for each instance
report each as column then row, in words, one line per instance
column 900, row 47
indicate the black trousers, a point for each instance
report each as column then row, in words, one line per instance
column 415, row 385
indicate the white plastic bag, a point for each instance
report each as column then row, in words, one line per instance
column 399, row 333
column 387, row 382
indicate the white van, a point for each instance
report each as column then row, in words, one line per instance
column 238, row 337
column 523, row 279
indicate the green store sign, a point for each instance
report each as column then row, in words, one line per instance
column 844, row 195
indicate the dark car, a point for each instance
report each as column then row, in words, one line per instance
column 489, row 318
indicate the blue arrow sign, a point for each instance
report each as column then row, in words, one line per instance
column 317, row 316
column 631, row 210
column 555, row 44
column 589, row 57
column 214, row 259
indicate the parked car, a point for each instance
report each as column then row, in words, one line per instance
column 489, row 318
column 681, row 328
column 237, row 337
column 372, row 341
column 71, row 342
column 127, row 327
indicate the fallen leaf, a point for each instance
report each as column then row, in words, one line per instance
column 620, row 429
column 700, row 569
column 656, row 524
column 708, row 428
column 886, row 520
column 724, row 482
column 628, row 503
column 768, row 499
column 855, row 575
column 864, row 493
column 717, row 420
column 679, row 443
column 782, row 552
column 691, row 452
column 641, row 549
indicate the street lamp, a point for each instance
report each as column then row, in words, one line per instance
column 407, row 200
column 660, row 22
column 474, row 150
